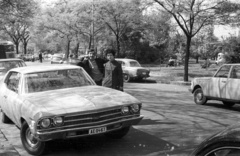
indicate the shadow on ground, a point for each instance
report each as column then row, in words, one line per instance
column 135, row 143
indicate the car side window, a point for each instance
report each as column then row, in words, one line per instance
column 235, row 73
column 223, row 72
column 13, row 81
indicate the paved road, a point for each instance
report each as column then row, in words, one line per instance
column 173, row 125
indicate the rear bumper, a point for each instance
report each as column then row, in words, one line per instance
column 84, row 131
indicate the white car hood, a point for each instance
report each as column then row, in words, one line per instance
column 77, row 99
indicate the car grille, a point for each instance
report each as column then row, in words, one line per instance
column 90, row 119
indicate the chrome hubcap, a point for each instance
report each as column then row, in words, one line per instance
column 33, row 142
column 199, row 96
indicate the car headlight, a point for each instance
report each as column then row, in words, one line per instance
column 58, row 120
column 135, row 108
column 45, row 123
column 125, row 110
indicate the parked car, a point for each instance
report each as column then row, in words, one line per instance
column 224, row 143
column 28, row 57
column 62, row 102
column 223, row 86
column 35, row 57
column 7, row 64
column 72, row 61
column 133, row 70
column 20, row 56
column 57, row 59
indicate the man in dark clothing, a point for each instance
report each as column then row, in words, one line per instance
column 40, row 57
column 113, row 72
column 94, row 67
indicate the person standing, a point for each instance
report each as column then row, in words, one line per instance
column 94, row 67
column 40, row 57
column 113, row 72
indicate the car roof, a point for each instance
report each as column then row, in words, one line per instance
column 35, row 69
column 10, row 59
column 125, row 59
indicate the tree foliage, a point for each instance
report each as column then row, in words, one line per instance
column 191, row 16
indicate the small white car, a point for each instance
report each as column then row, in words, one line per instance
column 132, row 70
column 223, row 86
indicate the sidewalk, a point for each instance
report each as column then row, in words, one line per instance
column 6, row 149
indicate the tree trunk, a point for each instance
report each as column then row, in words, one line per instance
column 76, row 49
column 197, row 59
column 25, row 47
column 90, row 42
column 187, row 58
column 67, row 49
column 17, row 45
column 118, row 46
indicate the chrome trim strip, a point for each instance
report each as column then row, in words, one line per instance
column 89, row 118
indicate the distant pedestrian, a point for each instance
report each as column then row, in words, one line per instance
column 113, row 77
column 40, row 57
column 94, row 66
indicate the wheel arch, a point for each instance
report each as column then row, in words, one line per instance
column 196, row 87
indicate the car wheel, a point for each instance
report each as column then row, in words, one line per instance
column 126, row 78
column 118, row 134
column 217, row 148
column 228, row 104
column 31, row 144
column 199, row 97
column 5, row 119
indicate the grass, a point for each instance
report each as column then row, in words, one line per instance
column 168, row 74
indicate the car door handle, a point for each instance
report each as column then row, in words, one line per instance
column 5, row 96
column 224, row 81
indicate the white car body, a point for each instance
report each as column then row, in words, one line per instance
column 132, row 69
column 223, row 86
column 61, row 102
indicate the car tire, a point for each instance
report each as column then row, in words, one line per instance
column 199, row 97
column 126, row 78
column 210, row 149
column 228, row 104
column 5, row 118
column 118, row 134
column 31, row 144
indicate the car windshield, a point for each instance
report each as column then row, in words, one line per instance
column 52, row 80
column 134, row 64
column 5, row 66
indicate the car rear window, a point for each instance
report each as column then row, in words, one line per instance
column 134, row 64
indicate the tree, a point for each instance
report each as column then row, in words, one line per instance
column 119, row 15
column 15, row 21
column 191, row 16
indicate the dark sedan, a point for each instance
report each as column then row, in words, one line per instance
column 224, row 143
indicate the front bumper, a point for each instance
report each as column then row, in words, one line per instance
column 84, row 131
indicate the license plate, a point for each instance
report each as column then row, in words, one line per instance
column 144, row 73
column 97, row 130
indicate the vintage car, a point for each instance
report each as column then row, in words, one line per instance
column 57, row 59
column 7, row 64
column 132, row 70
column 61, row 102
column 223, row 143
column 223, row 86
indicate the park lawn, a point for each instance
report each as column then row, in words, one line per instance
column 169, row 74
